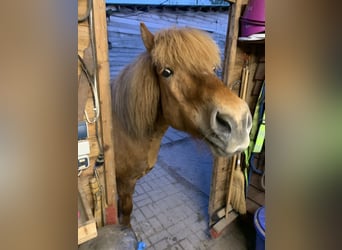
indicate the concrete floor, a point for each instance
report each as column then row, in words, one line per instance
column 171, row 202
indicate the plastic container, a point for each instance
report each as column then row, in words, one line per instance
column 248, row 28
column 255, row 11
column 253, row 18
column 260, row 227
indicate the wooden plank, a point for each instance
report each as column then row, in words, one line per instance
column 228, row 67
column 94, row 147
column 83, row 182
column 230, row 51
column 83, row 38
column 100, row 23
column 217, row 189
column 234, row 1
column 83, row 84
column 82, row 7
column 86, row 223
column 231, row 43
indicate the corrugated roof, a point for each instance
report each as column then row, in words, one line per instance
column 124, row 33
column 171, row 2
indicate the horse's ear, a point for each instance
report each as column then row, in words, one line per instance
column 147, row 37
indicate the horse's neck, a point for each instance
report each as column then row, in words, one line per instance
column 152, row 145
column 160, row 128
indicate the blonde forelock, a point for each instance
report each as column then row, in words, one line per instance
column 190, row 49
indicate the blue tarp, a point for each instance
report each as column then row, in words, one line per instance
column 171, row 2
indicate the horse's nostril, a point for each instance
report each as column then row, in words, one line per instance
column 249, row 121
column 223, row 123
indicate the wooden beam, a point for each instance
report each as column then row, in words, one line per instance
column 243, row 2
column 100, row 24
column 86, row 222
column 83, row 84
column 222, row 165
column 217, row 186
column 231, row 41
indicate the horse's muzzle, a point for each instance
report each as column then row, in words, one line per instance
column 230, row 131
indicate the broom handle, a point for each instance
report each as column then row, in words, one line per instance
column 245, row 74
column 233, row 164
column 242, row 94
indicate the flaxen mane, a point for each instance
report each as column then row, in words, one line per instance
column 187, row 48
column 136, row 97
column 136, row 90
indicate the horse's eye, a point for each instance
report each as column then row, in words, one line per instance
column 167, row 72
column 214, row 69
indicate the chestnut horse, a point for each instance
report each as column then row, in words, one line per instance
column 172, row 83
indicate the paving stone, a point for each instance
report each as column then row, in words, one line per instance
column 166, row 140
column 199, row 226
column 156, row 224
column 183, row 233
column 186, row 210
column 145, row 229
column 195, row 241
column 176, row 228
column 186, row 244
column 204, row 246
column 176, row 247
column 174, row 218
column 147, row 188
column 164, row 220
column 164, row 180
column 171, row 190
column 170, row 214
column 147, row 243
column 138, row 215
column 192, row 218
column 161, row 205
column 143, row 202
column 140, row 197
column 156, row 195
column 162, row 235
column 172, row 240
column 203, row 235
column 138, row 190
column 179, row 210
column 161, row 245
column 148, row 213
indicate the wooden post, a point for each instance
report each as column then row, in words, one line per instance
column 231, row 41
column 100, row 24
column 222, row 168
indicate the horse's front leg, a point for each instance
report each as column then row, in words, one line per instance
column 125, row 192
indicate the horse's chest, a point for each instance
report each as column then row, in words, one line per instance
column 135, row 158
column 152, row 154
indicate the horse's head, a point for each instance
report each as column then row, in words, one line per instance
column 193, row 98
